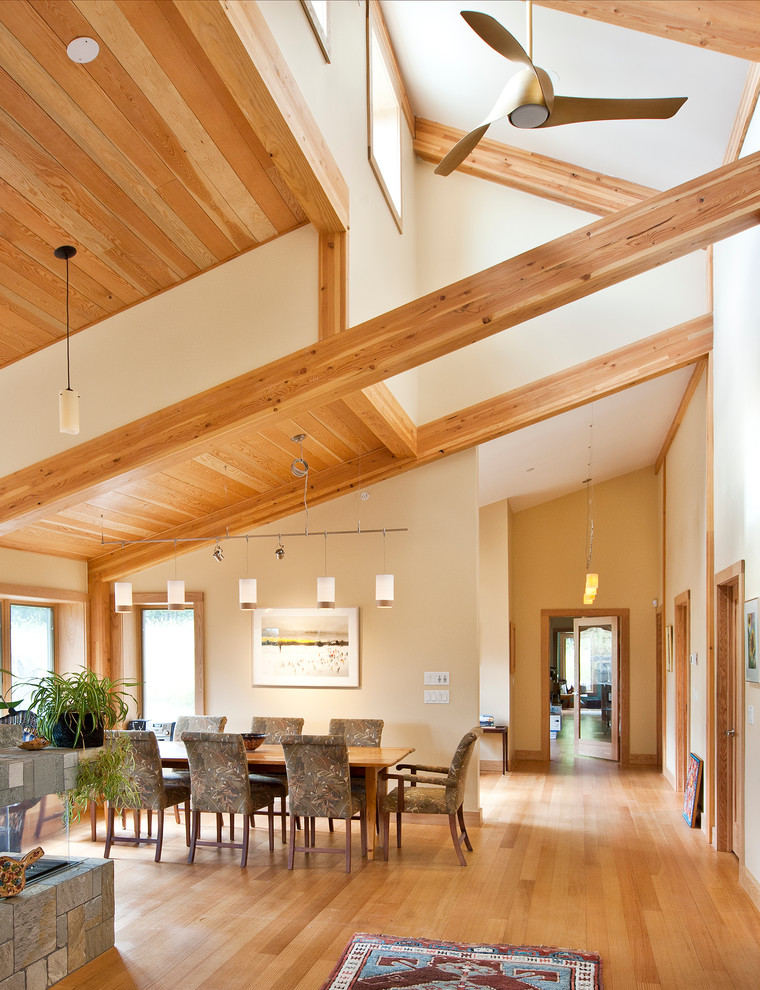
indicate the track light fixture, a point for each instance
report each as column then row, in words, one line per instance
column 218, row 553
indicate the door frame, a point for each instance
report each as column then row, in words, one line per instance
column 682, row 671
column 584, row 747
column 729, row 586
column 623, row 616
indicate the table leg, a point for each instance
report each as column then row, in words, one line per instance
column 370, row 785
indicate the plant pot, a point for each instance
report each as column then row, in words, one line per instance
column 65, row 730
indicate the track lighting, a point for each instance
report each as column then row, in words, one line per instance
column 218, row 553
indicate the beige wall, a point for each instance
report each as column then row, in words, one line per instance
column 548, row 563
column 42, row 571
column 493, row 610
column 432, row 626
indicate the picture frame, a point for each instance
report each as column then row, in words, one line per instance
column 751, row 664
column 306, row 647
column 691, row 791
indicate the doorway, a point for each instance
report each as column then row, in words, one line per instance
column 729, row 709
column 561, row 683
column 595, row 705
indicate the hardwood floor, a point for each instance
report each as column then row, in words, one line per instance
column 579, row 853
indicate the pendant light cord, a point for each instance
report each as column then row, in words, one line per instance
column 68, row 352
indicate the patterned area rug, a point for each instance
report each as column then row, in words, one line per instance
column 381, row 962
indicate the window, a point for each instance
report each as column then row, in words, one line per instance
column 318, row 12
column 384, row 114
column 32, row 651
column 168, row 663
column 163, row 650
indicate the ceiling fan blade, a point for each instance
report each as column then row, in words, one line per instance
column 497, row 36
column 573, row 110
column 461, row 150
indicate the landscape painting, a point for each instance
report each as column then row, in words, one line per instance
column 306, row 647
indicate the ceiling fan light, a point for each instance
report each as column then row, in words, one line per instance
column 529, row 115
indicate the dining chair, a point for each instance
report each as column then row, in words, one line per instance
column 441, row 793
column 275, row 728
column 156, row 792
column 319, row 785
column 193, row 723
column 220, row 784
column 357, row 732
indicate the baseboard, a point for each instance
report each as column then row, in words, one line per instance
column 530, row 754
column 491, row 766
column 749, row 885
column 642, row 760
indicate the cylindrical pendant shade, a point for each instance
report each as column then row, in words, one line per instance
column 247, row 588
column 175, row 595
column 325, row 592
column 592, row 582
column 384, row 590
column 68, row 411
column 122, row 596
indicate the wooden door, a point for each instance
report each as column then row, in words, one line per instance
column 597, row 722
column 729, row 709
column 683, row 686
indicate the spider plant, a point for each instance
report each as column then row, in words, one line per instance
column 106, row 776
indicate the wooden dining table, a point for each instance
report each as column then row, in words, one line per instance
column 365, row 761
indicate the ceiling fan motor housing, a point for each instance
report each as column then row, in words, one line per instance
column 532, row 95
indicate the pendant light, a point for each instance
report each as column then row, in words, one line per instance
column 592, row 578
column 325, row 587
column 68, row 398
column 122, row 592
column 247, row 587
column 384, row 585
column 175, row 590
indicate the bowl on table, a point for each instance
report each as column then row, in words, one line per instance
column 252, row 740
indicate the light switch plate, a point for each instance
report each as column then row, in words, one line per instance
column 436, row 677
column 436, row 697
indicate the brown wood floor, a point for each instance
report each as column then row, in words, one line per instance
column 581, row 854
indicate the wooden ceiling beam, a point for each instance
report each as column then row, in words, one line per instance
column 744, row 113
column 237, row 39
column 551, row 396
column 381, row 411
column 689, row 391
column 571, row 267
column 530, row 172
column 720, row 25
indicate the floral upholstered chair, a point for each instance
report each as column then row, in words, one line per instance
column 441, row 793
column 275, row 727
column 358, row 731
column 198, row 723
column 156, row 792
column 319, row 783
column 221, row 784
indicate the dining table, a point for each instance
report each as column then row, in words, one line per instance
column 364, row 761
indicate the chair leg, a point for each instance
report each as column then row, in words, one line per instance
column 93, row 821
column 218, row 827
column 463, row 827
column 244, row 855
column 386, row 833
column 232, row 828
column 398, row 829
column 284, row 817
column 363, row 831
column 176, row 813
column 292, row 842
column 270, row 817
column 330, row 824
column 195, row 835
column 150, row 823
column 109, row 829
column 187, row 822
column 348, row 844
column 455, row 838
column 159, row 833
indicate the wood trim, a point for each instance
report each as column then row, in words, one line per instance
column 682, row 633
column 570, row 267
column 99, row 653
column 384, row 38
column 747, row 104
column 38, row 593
column 710, row 768
column 531, row 172
column 333, row 283
column 238, row 41
column 683, row 405
column 659, row 669
column 719, row 26
column 728, row 584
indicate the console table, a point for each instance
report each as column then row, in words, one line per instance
column 503, row 731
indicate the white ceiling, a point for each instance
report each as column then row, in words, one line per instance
column 453, row 77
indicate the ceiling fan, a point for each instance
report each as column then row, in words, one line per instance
column 528, row 99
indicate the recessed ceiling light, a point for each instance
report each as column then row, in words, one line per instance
column 83, row 49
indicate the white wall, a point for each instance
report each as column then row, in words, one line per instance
column 433, row 624
column 493, row 609
column 737, row 465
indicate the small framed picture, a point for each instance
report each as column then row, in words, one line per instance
column 691, row 791
column 751, row 668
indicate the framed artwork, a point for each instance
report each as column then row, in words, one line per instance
column 751, row 669
column 668, row 647
column 306, row 647
column 691, row 791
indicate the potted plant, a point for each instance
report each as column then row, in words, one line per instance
column 74, row 709
column 106, row 776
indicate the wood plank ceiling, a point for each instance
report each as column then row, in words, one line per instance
column 148, row 161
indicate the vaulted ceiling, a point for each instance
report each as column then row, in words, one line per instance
column 185, row 144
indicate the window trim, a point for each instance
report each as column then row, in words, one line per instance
column 130, row 646
column 321, row 31
column 376, row 30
